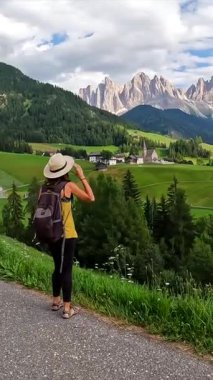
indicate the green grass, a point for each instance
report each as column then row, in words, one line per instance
column 208, row 147
column 152, row 136
column 54, row 147
column 153, row 180
column 22, row 167
column 199, row 212
column 180, row 318
column 162, row 139
column 6, row 179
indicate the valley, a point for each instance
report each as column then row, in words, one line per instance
column 152, row 180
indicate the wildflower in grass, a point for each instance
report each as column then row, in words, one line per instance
column 76, row 263
column 167, row 283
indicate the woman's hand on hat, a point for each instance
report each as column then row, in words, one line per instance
column 79, row 171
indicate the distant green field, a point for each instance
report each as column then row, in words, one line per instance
column 6, row 179
column 208, row 147
column 200, row 212
column 152, row 136
column 153, row 180
column 22, row 167
column 54, row 147
column 162, row 139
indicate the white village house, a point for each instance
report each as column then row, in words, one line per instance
column 120, row 158
column 136, row 160
column 111, row 161
column 94, row 157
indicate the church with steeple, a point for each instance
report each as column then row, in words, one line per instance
column 149, row 155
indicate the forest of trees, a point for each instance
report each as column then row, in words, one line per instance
column 188, row 148
column 15, row 146
column 37, row 112
column 121, row 227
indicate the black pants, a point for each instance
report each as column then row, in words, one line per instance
column 63, row 280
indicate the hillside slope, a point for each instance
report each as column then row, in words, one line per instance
column 40, row 112
column 172, row 122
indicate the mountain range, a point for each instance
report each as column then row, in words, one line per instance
column 39, row 112
column 157, row 92
column 172, row 122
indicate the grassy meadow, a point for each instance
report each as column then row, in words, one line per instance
column 163, row 139
column 185, row 318
column 152, row 136
column 89, row 149
column 20, row 168
column 153, row 180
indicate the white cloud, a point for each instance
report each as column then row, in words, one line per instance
column 126, row 36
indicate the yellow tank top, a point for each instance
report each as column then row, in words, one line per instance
column 69, row 224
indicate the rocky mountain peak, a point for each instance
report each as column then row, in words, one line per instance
column 202, row 91
column 158, row 92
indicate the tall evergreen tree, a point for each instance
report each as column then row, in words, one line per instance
column 30, row 208
column 32, row 198
column 180, row 232
column 13, row 215
column 131, row 188
column 150, row 212
column 109, row 222
column 161, row 221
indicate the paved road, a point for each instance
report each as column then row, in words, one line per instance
column 36, row 343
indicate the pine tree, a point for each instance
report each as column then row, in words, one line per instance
column 109, row 222
column 130, row 188
column 147, row 211
column 32, row 198
column 13, row 215
column 30, row 208
column 150, row 212
column 180, row 229
column 161, row 220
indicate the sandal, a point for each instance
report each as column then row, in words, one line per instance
column 56, row 306
column 68, row 314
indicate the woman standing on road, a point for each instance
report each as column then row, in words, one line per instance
column 62, row 250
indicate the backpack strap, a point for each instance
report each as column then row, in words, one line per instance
column 59, row 186
column 55, row 187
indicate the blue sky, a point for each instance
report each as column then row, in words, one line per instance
column 55, row 39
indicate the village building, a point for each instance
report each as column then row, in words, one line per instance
column 101, row 166
column 136, row 160
column 120, row 158
column 149, row 155
column 94, row 157
column 111, row 161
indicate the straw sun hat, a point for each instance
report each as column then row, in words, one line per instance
column 58, row 165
